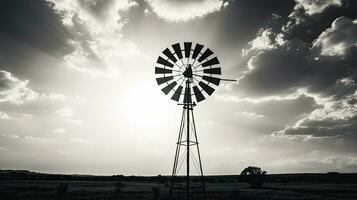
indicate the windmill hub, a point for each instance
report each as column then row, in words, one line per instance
column 188, row 71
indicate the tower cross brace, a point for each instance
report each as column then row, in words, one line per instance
column 187, row 124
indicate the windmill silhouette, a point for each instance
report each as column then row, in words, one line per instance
column 188, row 75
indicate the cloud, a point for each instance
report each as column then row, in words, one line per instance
column 312, row 7
column 263, row 41
column 251, row 114
column 59, row 130
column 14, row 90
column 185, row 10
column 60, row 97
column 286, row 66
column 336, row 118
column 279, row 68
column 303, row 11
column 65, row 112
column 98, row 46
column 339, row 39
column 4, row 115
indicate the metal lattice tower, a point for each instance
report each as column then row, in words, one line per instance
column 189, row 74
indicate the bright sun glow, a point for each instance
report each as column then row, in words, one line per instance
column 144, row 107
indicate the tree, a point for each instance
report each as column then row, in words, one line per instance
column 253, row 175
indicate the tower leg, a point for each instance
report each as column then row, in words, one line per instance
column 187, row 125
column 177, row 153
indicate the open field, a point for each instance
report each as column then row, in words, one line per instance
column 218, row 187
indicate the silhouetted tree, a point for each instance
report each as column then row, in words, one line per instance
column 253, row 175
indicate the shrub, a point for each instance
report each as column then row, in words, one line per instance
column 253, row 175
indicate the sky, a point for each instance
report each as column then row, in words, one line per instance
column 78, row 91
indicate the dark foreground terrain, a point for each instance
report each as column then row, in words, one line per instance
column 25, row 185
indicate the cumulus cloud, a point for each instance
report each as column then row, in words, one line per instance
column 251, row 114
column 317, row 6
column 59, row 130
column 65, row 112
column 336, row 118
column 4, row 115
column 286, row 66
column 98, row 46
column 263, row 41
column 14, row 90
column 60, row 97
column 326, row 72
column 185, row 10
column 339, row 39
column 304, row 9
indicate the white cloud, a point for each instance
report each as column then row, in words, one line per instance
column 186, row 10
column 304, row 9
column 250, row 114
column 340, row 161
column 59, row 130
column 4, row 115
column 65, row 112
column 98, row 44
column 339, row 38
column 60, row 97
column 263, row 41
column 336, row 118
column 14, row 90
column 317, row 6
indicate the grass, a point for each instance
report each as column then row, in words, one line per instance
column 217, row 188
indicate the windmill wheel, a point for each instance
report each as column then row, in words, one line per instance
column 190, row 62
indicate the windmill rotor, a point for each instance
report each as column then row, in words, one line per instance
column 188, row 62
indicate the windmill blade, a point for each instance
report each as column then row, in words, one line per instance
column 213, row 61
column 159, row 70
column 187, row 97
column 187, row 46
column 169, row 87
column 213, row 70
column 197, row 50
column 176, row 96
column 198, row 94
column 162, row 80
column 177, row 49
column 208, row 89
column 211, row 79
column 164, row 62
column 205, row 55
column 169, row 54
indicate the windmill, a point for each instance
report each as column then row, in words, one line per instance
column 189, row 74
